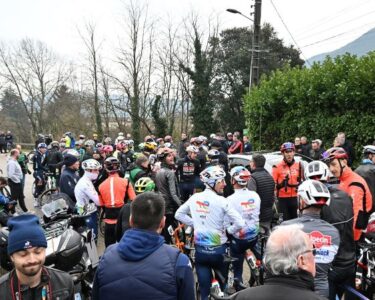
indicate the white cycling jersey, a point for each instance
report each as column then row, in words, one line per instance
column 247, row 204
column 208, row 211
column 84, row 191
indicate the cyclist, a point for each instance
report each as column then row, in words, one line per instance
column 188, row 168
column 127, row 156
column 166, row 184
column 144, row 184
column 39, row 168
column 69, row 176
column 367, row 168
column 9, row 140
column 339, row 213
column 206, row 212
column 55, row 161
column 247, row 204
column 337, row 160
column 85, row 192
column 287, row 175
column 312, row 196
column 23, row 161
column 80, row 149
column 113, row 193
column 68, row 140
column 141, row 169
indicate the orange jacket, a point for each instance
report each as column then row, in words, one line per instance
column 112, row 193
column 348, row 177
column 294, row 173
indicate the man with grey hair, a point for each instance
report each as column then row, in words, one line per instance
column 290, row 265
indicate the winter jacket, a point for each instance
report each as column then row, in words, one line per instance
column 367, row 171
column 262, row 182
column 68, row 181
column 187, row 169
column 287, row 177
column 61, row 286
column 141, row 266
column 166, row 184
column 283, row 287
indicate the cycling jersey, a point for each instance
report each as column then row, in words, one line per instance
column 247, row 204
column 187, row 169
column 287, row 178
column 85, row 191
column 208, row 210
column 326, row 239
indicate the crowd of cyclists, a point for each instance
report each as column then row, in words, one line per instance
column 228, row 207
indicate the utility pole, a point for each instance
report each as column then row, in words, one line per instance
column 256, row 43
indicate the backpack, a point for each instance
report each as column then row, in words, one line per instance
column 72, row 142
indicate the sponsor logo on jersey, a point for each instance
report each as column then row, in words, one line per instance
column 319, row 239
column 202, row 206
column 249, row 204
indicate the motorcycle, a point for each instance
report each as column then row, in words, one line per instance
column 70, row 244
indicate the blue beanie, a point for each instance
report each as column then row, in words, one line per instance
column 25, row 232
column 70, row 160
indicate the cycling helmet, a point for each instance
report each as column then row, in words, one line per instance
column 211, row 175
column 120, row 138
column 168, row 138
column 198, row 140
column 130, row 143
column 313, row 192
column 144, row 184
column 334, row 153
column 120, row 146
column 79, row 143
column 42, row 145
column 107, row 140
column 91, row 164
column 40, row 135
column 68, row 133
column 112, row 164
column 72, row 152
column 120, row 134
column 107, row 149
column 192, row 148
column 164, row 152
column 203, row 138
column 89, row 143
column 62, row 145
column 82, row 137
column 369, row 149
column 287, row 146
column 99, row 146
column 150, row 146
column 141, row 146
column 317, row 170
column 240, row 174
column 213, row 153
column 55, row 144
column 212, row 136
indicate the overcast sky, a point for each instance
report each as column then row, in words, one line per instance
column 327, row 24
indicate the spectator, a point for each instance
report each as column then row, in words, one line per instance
column 236, row 146
column 182, row 145
column 9, row 140
column 69, row 176
column 23, row 161
column 298, row 145
column 247, row 147
column 3, row 143
column 30, row 279
column 316, row 150
column 141, row 169
column 289, row 260
column 229, row 140
column 367, row 168
column 141, row 265
column 262, row 182
column 39, row 167
column 15, row 177
column 348, row 147
column 305, row 146
column 336, row 142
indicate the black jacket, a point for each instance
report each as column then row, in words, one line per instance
column 367, row 171
column 187, row 169
column 339, row 213
column 262, row 182
column 299, row 286
column 166, row 184
column 351, row 153
column 68, row 181
column 60, row 282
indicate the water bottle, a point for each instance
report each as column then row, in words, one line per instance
column 251, row 259
column 215, row 288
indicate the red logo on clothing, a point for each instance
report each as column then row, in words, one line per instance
column 319, row 239
column 203, row 205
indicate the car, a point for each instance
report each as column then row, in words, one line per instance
column 272, row 159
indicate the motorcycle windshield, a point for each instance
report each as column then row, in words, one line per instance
column 55, row 207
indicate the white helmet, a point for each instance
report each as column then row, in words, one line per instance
column 313, row 192
column 91, row 164
column 211, row 175
column 369, row 149
column 240, row 174
column 120, row 134
column 192, row 148
column 72, row 152
column 317, row 170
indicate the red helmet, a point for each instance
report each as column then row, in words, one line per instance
column 107, row 149
column 120, row 146
column 287, row 146
column 334, row 153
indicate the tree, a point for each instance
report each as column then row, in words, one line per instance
column 160, row 123
column 235, row 60
column 319, row 102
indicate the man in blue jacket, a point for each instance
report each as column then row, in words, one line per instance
column 141, row 266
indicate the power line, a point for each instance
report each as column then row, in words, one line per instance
column 328, row 19
column 336, row 35
column 329, row 28
column 286, row 27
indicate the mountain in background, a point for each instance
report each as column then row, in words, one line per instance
column 362, row 45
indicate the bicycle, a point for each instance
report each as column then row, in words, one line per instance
column 183, row 239
column 256, row 267
column 50, row 188
column 365, row 274
column 30, row 156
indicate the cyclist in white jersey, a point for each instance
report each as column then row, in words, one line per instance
column 247, row 204
column 85, row 192
column 208, row 210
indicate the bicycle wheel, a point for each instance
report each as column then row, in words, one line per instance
column 30, row 156
column 5, row 191
column 43, row 197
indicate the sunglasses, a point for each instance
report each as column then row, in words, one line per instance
column 313, row 251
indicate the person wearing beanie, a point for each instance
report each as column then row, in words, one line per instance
column 69, row 176
column 30, row 279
